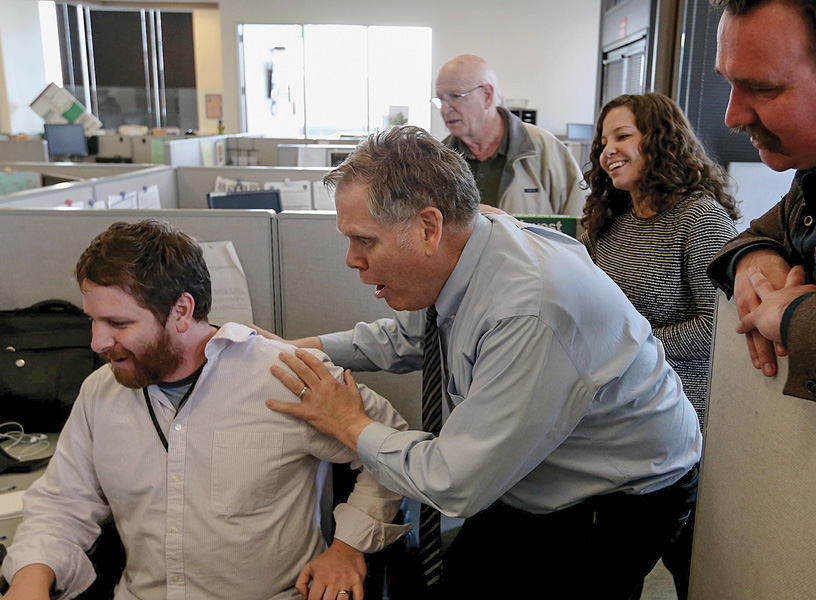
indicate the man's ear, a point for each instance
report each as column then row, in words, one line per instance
column 431, row 221
column 181, row 315
column 489, row 92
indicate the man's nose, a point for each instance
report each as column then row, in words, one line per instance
column 102, row 340
column 739, row 111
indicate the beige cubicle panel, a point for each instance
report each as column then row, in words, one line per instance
column 83, row 170
column 35, row 150
column 320, row 294
column 40, row 249
column 756, row 526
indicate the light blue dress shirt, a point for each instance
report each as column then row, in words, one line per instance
column 560, row 390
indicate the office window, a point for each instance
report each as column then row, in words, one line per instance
column 319, row 81
column 131, row 67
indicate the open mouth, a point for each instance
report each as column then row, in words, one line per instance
column 379, row 289
column 616, row 165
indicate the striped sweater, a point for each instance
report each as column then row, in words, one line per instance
column 660, row 264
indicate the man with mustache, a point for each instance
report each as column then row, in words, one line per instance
column 766, row 50
column 213, row 495
column 519, row 168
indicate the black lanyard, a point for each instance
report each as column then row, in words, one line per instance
column 181, row 404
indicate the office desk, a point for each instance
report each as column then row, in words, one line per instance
column 21, row 481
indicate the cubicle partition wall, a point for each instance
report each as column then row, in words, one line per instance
column 248, row 150
column 753, row 538
column 84, row 170
column 164, row 178
column 31, row 150
column 320, row 294
column 40, row 249
column 84, row 193
column 194, row 183
column 61, row 195
column 313, row 155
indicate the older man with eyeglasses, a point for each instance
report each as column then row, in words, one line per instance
column 518, row 167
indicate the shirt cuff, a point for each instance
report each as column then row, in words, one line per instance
column 72, row 568
column 369, row 442
column 338, row 346
column 731, row 270
column 784, row 325
column 362, row 532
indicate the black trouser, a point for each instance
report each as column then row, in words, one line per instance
column 601, row 548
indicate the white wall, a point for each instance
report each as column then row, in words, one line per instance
column 22, row 66
column 207, row 41
column 542, row 50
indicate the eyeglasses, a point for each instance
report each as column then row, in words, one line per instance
column 453, row 99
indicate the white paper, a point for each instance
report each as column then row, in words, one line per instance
column 97, row 204
column 230, row 293
column 149, row 197
column 227, row 186
column 11, row 504
column 124, row 200
column 220, row 153
column 322, row 200
column 295, row 195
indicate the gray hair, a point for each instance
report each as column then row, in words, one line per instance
column 406, row 170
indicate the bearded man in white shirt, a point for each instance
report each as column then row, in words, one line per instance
column 213, row 495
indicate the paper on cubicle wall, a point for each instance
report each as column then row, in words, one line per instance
column 220, row 153
column 157, row 151
column 230, row 293
column 295, row 195
column 207, row 157
column 124, row 200
column 321, row 198
column 18, row 181
column 148, row 197
column 227, row 186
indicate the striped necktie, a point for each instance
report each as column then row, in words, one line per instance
column 430, row 535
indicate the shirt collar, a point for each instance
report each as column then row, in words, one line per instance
column 457, row 284
column 227, row 333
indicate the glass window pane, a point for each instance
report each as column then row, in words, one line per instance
column 336, row 80
column 273, row 76
column 119, row 67
column 399, row 63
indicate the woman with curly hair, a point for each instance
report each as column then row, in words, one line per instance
column 657, row 213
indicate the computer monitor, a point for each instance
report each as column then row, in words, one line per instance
column 264, row 199
column 66, row 141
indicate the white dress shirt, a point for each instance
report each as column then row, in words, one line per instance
column 228, row 511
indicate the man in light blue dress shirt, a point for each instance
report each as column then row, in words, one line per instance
column 570, row 447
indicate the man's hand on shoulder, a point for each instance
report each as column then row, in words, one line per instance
column 333, row 407
column 32, row 582
column 341, row 567
column 775, row 269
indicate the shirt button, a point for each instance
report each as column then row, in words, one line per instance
column 175, row 578
column 177, row 427
column 174, row 529
column 176, row 477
